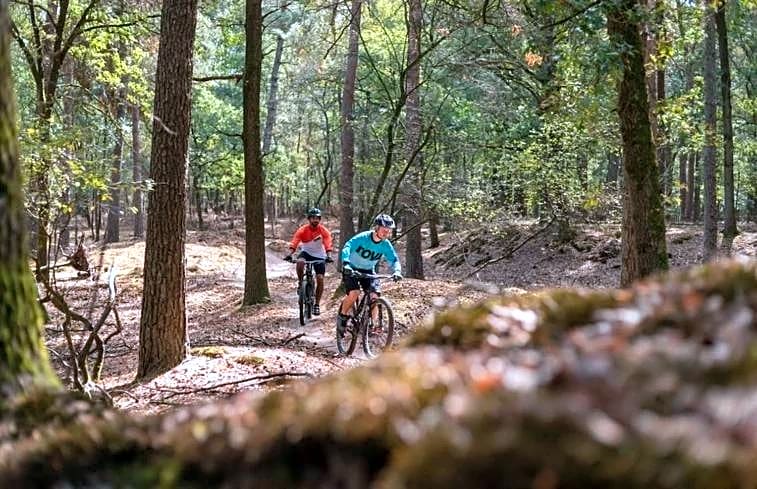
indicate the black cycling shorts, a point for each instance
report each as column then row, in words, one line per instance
column 320, row 268
column 367, row 284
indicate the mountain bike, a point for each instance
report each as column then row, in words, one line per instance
column 375, row 321
column 306, row 291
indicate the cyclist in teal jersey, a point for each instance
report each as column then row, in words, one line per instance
column 362, row 253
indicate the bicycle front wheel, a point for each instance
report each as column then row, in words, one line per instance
column 301, row 303
column 378, row 328
column 309, row 300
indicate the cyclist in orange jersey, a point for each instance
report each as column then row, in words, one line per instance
column 315, row 243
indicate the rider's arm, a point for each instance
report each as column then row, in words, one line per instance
column 344, row 254
column 327, row 241
column 296, row 239
column 393, row 259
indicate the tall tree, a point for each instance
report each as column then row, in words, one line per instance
column 729, row 208
column 346, row 227
column 112, row 231
column 23, row 357
column 709, row 151
column 45, row 45
column 255, row 282
column 163, row 326
column 136, row 172
column 414, row 128
column 643, row 230
column 273, row 90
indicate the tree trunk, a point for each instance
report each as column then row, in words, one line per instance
column 23, row 357
column 273, row 88
column 691, row 183
column 163, row 326
column 643, row 229
column 433, row 228
column 255, row 281
column 346, row 227
column 112, row 234
column 729, row 209
column 136, row 145
column 709, row 151
column 682, row 182
column 696, row 215
column 414, row 129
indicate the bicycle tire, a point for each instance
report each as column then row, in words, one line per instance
column 346, row 344
column 301, row 303
column 378, row 334
column 309, row 300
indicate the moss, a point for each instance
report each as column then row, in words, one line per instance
column 251, row 360
column 209, row 351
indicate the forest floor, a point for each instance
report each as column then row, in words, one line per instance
column 263, row 347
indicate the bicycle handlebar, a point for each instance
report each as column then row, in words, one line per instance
column 357, row 274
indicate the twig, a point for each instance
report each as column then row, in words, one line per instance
column 233, row 382
column 255, row 338
column 509, row 253
column 292, row 338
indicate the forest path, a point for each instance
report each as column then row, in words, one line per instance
column 263, row 347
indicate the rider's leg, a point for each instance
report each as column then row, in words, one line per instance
column 318, row 288
column 349, row 299
column 300, row 269
column 374, row 310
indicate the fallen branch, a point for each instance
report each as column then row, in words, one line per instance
column 292, row 338
column 510, row 252
column 254, row 338
column 233, row 382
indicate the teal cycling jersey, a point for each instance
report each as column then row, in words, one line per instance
column 364, row 253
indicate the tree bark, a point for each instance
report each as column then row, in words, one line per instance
column 136, row 160
column 346, row 227
column 23, row 357
column 729, row 208
column 273, row 88
column 255, row 282
column 112, row 234
column 709, row 151
column 414, row 127
column 682, row 183
column 643, row 229
column 163, row 326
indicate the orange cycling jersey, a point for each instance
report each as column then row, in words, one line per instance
column 315, row 242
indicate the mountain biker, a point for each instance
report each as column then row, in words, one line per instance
column 315, row 243
column 362, row 253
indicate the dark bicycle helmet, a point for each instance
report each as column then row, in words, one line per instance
column 384, row 220
column 314, row 212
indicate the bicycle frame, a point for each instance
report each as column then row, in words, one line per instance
column 362, row 319
column 306, row 290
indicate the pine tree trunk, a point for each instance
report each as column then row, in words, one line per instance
column 643, row 229
column 23, row 357
column 255, row 281
column 346, row 227
column 136, row 160
column 414, row 127
column 112, row 234
column 163, row 326
column 729, row 209
column 682, row 192
column 273, row 88
column 709, row 152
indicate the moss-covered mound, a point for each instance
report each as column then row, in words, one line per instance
column 654, row 387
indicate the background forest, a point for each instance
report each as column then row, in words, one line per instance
column 517, row 105
column 176, row 146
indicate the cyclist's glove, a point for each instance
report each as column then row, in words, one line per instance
column 329, row 259
column 288, row 258
column 347, row 269
column 397, row 277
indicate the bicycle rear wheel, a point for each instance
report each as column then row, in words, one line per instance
column 379, row 332
column 346, row 344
